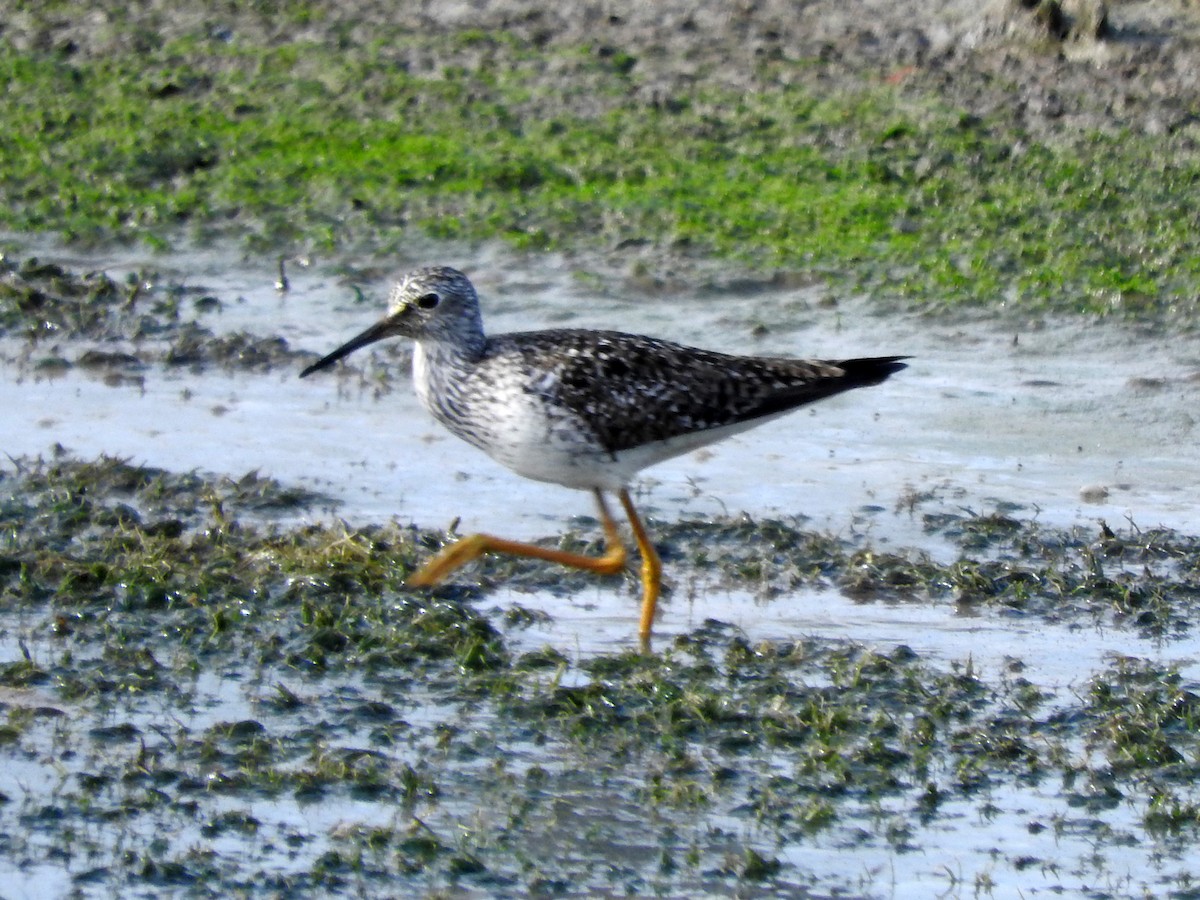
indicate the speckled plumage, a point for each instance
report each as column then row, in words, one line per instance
column 584, row 409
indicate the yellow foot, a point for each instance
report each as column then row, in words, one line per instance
column 451, row 558
column 651, row 572
column 474, row 546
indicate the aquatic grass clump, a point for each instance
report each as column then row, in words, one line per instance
column 809, row 699
column 1146, row 720
column 110, row 541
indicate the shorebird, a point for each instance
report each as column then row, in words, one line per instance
column 584, row 409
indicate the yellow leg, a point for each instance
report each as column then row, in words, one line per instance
column 472, row 547
column 651, row 571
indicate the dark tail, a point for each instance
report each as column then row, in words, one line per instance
column 871, row 370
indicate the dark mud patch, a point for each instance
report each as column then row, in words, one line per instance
column 122, row 327
column 1052, row 66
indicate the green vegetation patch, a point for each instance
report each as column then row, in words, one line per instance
column 1147, row 580
column 348, row 143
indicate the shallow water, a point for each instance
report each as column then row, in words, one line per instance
column 1066, row 422
column 1070, row 421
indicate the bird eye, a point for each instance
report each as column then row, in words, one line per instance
column 428, row 301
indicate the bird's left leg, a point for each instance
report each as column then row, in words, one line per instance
column 473, row 546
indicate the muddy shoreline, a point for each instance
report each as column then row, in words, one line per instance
column 902, row 653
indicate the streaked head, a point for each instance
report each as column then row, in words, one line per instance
column 433, row 304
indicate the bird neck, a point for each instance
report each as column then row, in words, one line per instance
column 458, row 351
column 442, row 360
column 438, row 365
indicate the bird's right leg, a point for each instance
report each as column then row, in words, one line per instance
column 651, row 570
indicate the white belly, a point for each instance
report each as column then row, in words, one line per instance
column 555, row 449
column 515, row 428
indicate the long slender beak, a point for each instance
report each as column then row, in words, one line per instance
column 377, row 332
